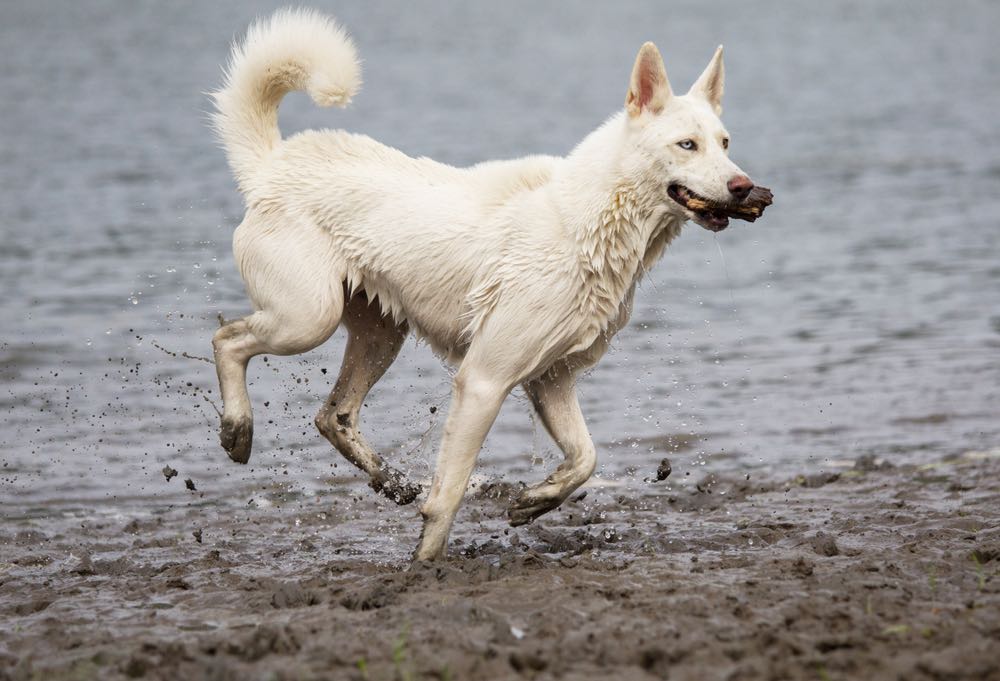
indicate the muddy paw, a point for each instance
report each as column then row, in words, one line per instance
column 527, row 507
column 236, row 437
column 392, row 484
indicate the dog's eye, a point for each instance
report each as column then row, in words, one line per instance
column 687, row 145
column 725, row 142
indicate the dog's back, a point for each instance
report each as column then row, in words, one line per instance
column 389, row 216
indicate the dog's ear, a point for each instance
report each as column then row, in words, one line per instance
column 711, row 82
column 649, row 89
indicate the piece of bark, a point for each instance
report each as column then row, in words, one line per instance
column 749, row 209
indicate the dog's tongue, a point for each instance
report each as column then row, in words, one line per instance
column 716, row 221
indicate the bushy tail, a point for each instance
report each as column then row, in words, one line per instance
column 295, row 49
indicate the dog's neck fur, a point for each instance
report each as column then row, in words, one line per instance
column 618, row 220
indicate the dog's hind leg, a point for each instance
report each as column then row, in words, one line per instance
column 233, row 347
column 299, row 306
column 263, row 332
column 373, row 343
column 554, row 397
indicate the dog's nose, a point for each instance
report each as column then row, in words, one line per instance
column 740, row 186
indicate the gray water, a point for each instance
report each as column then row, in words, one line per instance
column 861, row 316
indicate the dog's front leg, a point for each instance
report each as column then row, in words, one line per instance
column 554, row 397
column 475, row 402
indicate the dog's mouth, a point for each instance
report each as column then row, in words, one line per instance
column 713, row 215
column 707, row 213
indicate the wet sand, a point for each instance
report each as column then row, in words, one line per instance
column 872, row 572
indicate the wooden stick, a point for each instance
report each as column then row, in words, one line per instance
column 750, row 209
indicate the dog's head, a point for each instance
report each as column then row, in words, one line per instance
column 680, row 142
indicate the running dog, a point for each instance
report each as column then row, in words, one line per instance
column 518, row 272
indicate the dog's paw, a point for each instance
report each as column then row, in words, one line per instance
column 236, row 437
column 392, row 484
column 529, row 506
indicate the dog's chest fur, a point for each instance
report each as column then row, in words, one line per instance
column 616, row 250
column 627, row 240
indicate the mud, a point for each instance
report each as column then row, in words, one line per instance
column 875, row 572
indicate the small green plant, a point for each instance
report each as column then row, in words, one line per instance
column 980, row 571
column 932, row 580
column 399, row 655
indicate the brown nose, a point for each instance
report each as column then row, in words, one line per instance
column 740, row 186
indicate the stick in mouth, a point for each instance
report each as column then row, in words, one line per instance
column 714, row 215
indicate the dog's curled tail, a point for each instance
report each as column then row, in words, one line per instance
column 295, row 49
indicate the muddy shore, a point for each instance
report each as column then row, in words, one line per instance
column 872, row 572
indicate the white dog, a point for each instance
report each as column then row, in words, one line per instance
column 520, row 272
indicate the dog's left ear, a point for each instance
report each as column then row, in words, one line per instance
column 711, row 82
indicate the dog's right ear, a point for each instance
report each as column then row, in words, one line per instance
column 649, row 89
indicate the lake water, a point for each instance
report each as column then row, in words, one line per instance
column 861, row 316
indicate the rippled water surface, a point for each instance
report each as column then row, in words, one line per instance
column 861, row 316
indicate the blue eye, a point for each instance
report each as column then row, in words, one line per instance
column 687, row 145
